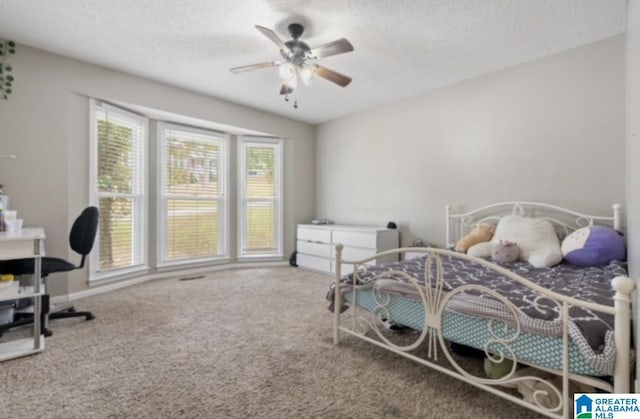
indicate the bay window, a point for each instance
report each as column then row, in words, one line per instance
column 118, row 160
column 193, row 190
column 260, row 200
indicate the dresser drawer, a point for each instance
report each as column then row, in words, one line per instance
column 314, row 235
column 355, row 238
column 312, row 248
column 313, row 262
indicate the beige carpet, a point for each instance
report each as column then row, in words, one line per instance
column 236, row 344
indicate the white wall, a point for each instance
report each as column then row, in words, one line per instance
column 633, row 134
column 45, row 123
column 633, row 151
column 550, row 130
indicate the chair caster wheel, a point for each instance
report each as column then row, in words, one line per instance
column 47, row 333
column 90, row 316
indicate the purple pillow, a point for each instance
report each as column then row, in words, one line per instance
column 593, row 246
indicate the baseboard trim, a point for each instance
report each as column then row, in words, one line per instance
column 112, row 286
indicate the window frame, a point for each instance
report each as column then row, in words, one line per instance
column 278, row 143
column 161, row 218
column 140, row 197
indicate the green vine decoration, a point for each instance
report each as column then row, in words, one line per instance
column 6, row 78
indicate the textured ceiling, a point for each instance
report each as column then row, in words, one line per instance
column 402, row 47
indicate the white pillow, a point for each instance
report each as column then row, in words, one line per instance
column 538, row 242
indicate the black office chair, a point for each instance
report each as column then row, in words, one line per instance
column 81, row 238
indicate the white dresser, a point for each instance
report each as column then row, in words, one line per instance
column 316, row 245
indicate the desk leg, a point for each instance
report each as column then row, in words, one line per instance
column 37, row 301
column 37, row 308
column 44, row 311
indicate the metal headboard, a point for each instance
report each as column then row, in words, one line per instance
column 564, row 220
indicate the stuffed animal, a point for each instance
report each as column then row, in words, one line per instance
column 497, row 370
column 593, row 246
column 505, row 251
column 536, row 237
column 481, row 233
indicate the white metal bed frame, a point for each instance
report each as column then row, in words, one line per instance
column 434, row 300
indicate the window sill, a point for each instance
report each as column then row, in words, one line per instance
column 97, row 279
column 192, row 264
column 260, row 259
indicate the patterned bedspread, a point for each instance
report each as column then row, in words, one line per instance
column 590, row 331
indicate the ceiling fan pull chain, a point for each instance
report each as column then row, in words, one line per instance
column 295, row 101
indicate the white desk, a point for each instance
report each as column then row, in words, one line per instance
column 27, row 243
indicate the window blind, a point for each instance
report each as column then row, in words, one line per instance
column 120, row 188
column 193, row 194
column 261, row 197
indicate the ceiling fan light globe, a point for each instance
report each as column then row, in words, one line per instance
column 307, row 74
column 287, row 72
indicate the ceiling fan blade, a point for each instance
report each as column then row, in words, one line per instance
column 251, row 67
column 273, row 37
column 332, row 48
column 334, row 76
column 286, row 89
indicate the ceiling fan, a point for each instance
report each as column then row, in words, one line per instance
column 300, row 59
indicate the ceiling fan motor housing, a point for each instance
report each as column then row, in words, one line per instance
column 297, row 53
column 295, row 30
column 298, row 50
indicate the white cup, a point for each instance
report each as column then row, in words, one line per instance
column 10, row 219
column 18, row 225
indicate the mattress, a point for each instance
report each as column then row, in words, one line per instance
column 529, row 348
